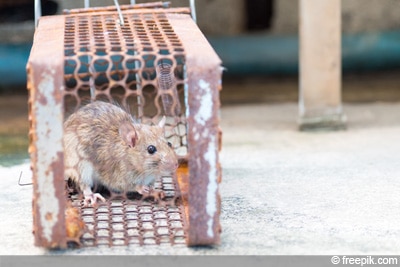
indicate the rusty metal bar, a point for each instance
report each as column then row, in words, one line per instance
column 45, row 69
column 153, row 6
column 203, row 74
column 102, row 11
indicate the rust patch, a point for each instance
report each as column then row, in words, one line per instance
column 183, row 181
column 42, row 99
column 49, row 216
column 219, row 139
column 75, row 226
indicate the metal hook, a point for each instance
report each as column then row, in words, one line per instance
column 121, row 18
column 21, row 184
column 193, row 10
column 38, row 12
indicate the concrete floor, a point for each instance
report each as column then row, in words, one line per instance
column 283, row 191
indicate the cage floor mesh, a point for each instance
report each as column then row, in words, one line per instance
column 129, row 220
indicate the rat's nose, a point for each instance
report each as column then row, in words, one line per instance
column 176, row 165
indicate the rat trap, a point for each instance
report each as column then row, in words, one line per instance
column 154, row 61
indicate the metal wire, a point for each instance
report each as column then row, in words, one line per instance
column 38, row 11
column 193, row 9
column 121, row 18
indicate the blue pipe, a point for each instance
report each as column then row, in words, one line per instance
column 371, row 51
column 13, row 58
column 253, row 54
column 257, row 54
column 261, row 54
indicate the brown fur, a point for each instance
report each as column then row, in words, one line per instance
column 104, row 145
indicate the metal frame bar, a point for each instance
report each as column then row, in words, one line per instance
column 204, row 82
column 46, row 85
column 38, row 9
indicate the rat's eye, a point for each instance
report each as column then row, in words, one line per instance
column 151, row 149
column 169, row 144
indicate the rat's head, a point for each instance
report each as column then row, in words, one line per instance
column 148, row 149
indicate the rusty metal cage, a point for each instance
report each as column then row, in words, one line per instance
column 157, row 62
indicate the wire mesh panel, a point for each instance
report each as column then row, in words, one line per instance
column 155, row 64
column 144, row 73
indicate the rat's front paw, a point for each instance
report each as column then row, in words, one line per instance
column 91, row 199
column 143, row 189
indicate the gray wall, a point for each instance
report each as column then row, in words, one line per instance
column 357, row 16
column 227, row 17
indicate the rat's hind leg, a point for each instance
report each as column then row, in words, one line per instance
column 149, row 191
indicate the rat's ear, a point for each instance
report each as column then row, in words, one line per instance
column 128, row 134
column 162, row 122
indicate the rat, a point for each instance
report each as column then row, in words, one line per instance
column 103, row 145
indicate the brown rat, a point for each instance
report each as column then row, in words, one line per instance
column 104, row 146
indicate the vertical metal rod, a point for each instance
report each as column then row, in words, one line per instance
column 193, row 10
column 38, row 12
column 121, row 18
column 139, row 89
column 133, row 2
column 87, row 3
column 92, row 85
